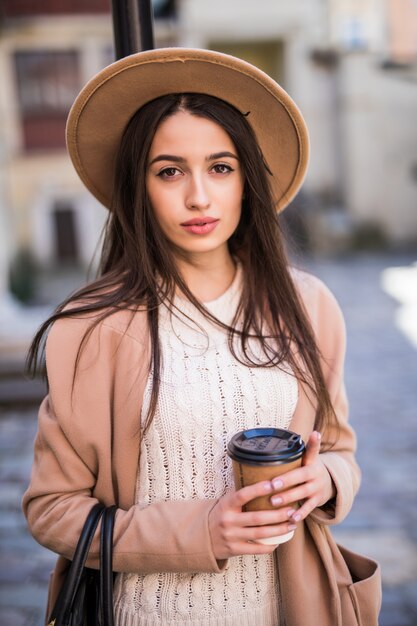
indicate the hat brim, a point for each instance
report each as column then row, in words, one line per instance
column 102, row 110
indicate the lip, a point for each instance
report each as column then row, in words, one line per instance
column 200, row 220
column 200, row 225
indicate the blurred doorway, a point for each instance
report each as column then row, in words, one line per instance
column 65, row 234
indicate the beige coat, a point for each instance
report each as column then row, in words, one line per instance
column 88, row 444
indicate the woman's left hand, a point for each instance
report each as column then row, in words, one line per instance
column 310, row 484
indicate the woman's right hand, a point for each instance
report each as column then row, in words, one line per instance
column 233, row 531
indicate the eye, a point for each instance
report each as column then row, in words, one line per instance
column 222, row 168
column 169, row 172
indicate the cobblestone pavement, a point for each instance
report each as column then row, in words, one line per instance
column 381, row 376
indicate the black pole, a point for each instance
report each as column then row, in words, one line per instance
column 132, row 26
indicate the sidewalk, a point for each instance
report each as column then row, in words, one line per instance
column 24, row 565
column 381, row 375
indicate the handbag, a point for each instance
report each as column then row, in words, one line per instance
column 86, row 597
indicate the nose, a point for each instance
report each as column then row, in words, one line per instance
column 197, row 196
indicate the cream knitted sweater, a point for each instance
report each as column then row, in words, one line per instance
column 206, row 396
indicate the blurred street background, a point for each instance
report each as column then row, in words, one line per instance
column 351, row 66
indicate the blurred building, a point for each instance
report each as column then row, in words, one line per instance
column 339, row 60
column 349, row 64
column 402, row 31
column 375, row 84
column 49, row 225
column 48, row 50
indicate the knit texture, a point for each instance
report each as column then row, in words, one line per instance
column 206, row 396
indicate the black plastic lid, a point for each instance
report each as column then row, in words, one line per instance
column 265, row 445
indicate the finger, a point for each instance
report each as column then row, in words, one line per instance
column 295, row 477
column 265, row 518
column 304, row 511
column 312, row 448
column 266, row 532
column 242, row 496
column 254, row 533
column 301, row 492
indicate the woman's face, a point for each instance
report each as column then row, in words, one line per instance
column 195, row 184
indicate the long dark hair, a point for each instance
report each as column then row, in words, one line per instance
column 138, row 269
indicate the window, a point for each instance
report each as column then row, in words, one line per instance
column 48, row 82
column 26, row 8
column 164, row 8
column 268, row 55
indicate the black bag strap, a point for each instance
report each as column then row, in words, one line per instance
column 106, row 567
column 67, row 594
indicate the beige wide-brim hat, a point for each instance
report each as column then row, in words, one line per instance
column 102, row 110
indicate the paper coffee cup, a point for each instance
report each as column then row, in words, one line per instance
column 262, row 454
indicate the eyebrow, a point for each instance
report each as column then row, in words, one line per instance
column 179, row 159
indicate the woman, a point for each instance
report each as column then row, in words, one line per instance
column 195, row 329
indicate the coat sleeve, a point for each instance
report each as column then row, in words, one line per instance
column 338, row 439
column 78, row 446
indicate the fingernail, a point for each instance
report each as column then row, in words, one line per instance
column 296, row 517
column 290, row 512
column 276, row 500
column 292, row 526
column 267, row 487
column 277, row 483
column 318, row 436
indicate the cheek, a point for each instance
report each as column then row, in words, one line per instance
column 153, row 195
column 159, row 203
column 237, row 191
column 234, row 200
